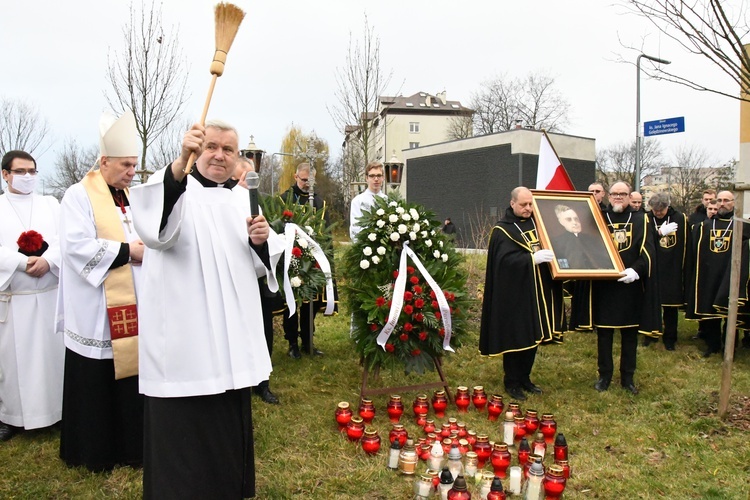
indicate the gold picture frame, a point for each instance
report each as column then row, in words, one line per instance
column 570, row 223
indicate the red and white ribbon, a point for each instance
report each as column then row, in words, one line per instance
column 291, row 232
column 397, row 301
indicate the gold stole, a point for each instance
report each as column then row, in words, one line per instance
column 119, row 288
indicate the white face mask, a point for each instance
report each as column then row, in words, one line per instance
column 24, row 184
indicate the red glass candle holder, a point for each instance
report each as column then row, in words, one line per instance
column 439, row 403
column 429, row 426
column 355, row 428
column 343, row 415
column 483, row 449
column 463, row 446
column 447, row 443
column 520, row 428
column 432, row 437
column 395, row 408
column 445, row 430
column 398, row 433
column 471, row 437
column 424, row 451
column 554, row 482
column 495, row 407
column 565, row 466
column 453, row 423
column 367, row 410
column 516, row 409
column 461, row 429
column 421, row 419
column 561, row 447
column 524, row 450
column 479, row 398
column 462, row 399
column 531, row 422
column 548, row 427
column 371, row 441
column 500, row 459
column 420, row 405
column 539, row 446
column 532, row 459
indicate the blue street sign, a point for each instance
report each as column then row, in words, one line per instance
column 665, row 126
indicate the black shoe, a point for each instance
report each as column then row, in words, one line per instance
column 294, row 351
column 708, row 352
column 669, row 347
column 266, row 395
column 531, row 387
column 630, row 387
column 602, row 384
column 315, row 351
column 647, row 341
column 7, row 431
column 516, row 393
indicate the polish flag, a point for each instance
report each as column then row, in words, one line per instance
column 550, row 173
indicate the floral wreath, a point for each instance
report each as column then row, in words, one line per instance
column 305, row 275
column 371, row 266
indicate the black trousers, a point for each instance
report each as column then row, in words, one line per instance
column 669, row 315
column 517, row 367
column 629, row 348
column 266, row 305
column 712, row 333
column 298, row 326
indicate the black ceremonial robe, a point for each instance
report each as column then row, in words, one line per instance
column 622, row 305
column 671, row 257
column 522, row 305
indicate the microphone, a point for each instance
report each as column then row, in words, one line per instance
column 253, row 181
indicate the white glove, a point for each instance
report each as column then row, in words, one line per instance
column 542, row 256
column 666, row 229
column 630, row 275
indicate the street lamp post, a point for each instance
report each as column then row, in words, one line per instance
column 638, row 131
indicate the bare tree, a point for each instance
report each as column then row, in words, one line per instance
column 707, row 29
column 693, row 173
column 618, row 161
column 149, row 76
column 22, row 127
column 460, row 127
column 532, row 101
column 361, row 82
column 71, row 165
column 169, row 144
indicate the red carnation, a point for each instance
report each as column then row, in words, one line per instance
column 389, row 304
column 419, row 303
column 432, row 294
column 395, row 274
column 390, row 347
column 437, row 315
column 441, row 332
column 434, row 304
column 408, row 296
column 408, row 309
column 288, row 214
column 408, row 327
column 414, row 280
column 417, row 289
column 374, row 327
column 423, row 336
column 316, row 265
column 380, row 301
column 419, row 317
column 30, row 243
column 416, row 352
column 297, row 252
column 404, row 337
column 451, row 297
column 410, row 270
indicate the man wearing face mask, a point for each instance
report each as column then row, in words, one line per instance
column 31, row 356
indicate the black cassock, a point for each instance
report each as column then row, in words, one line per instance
column 522, row 305
column 613, row 304
column 671, row 257
column 709, row 269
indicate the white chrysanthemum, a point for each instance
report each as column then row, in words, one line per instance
column 436, row 253
column 393, row 218
column 372, row 236
column 428, row 243
column 440, row 243
column 367, row 251
column 406, row 217
column 310, row 230
column 444, row 257
column 412, row 236
column 392, row 204
column 402, row 228
column 432, row 232
column 414, row 214
column 380, row 211
column 381, row 250
column 302, row 242
column 400, row 210
column 364, row 264
column 375, row 259
column 295, row 281
column 394, row 236
column 380, row 223
column 424, row 234
column 416, row 228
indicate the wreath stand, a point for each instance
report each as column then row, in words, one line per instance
column 443, row 383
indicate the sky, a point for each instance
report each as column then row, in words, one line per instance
column 281, row 69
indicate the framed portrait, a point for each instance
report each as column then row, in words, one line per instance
column 570, row 223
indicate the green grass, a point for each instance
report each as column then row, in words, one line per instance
column 667, row 442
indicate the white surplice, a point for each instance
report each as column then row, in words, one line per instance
column 200, row 313
column 82, row 305
column 31, row 353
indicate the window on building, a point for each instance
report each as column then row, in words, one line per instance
column 414, row 127
column 413, row 145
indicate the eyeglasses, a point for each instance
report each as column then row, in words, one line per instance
column 303, row 180
column 597, row 190
column 24, row 171
column 375, row 176
column 618, row 195
column 725, row 200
